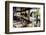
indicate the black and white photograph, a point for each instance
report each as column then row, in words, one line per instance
column 24, row 17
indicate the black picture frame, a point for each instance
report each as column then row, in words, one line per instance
column 7, row 16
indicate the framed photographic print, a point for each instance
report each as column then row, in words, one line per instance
column 24, row 17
